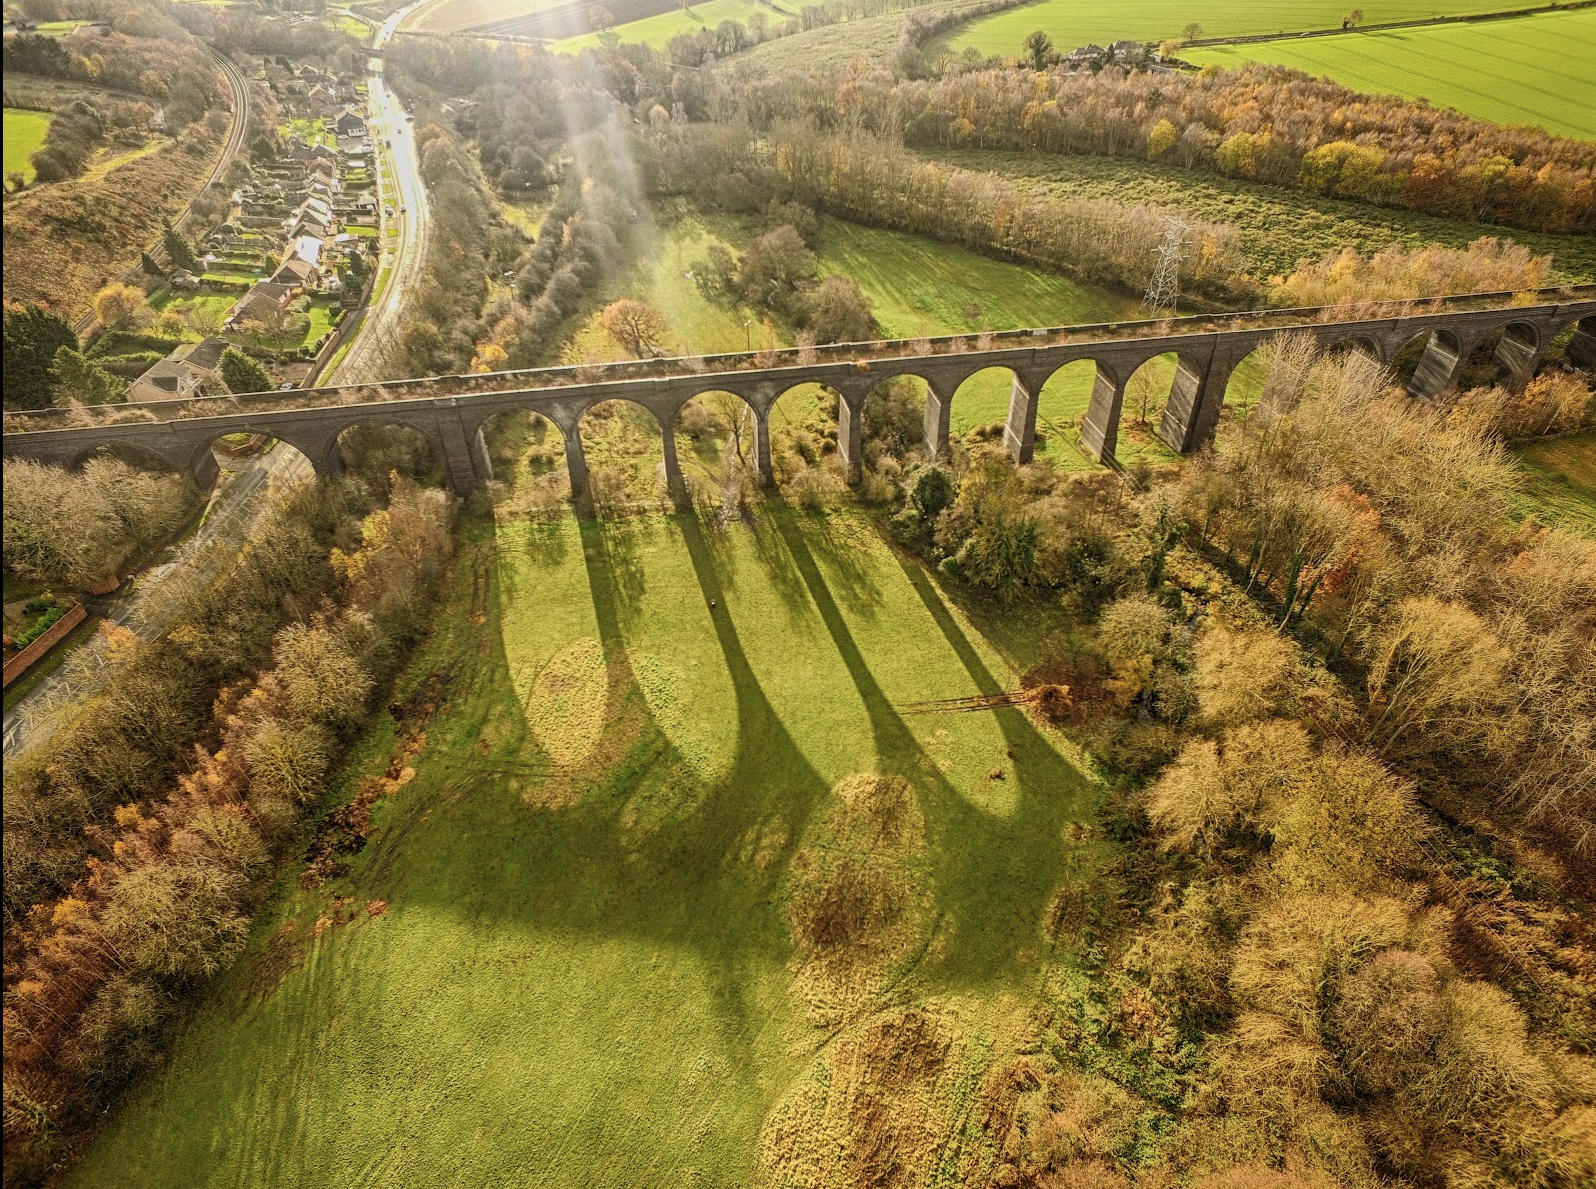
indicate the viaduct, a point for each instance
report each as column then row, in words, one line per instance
column 451, row 412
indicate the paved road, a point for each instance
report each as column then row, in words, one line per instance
column 244, row 494
column 405, row 192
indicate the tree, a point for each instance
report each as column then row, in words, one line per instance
column 773, row 264
column 1038, row 45
column 149, row 267
column 1192, row 31
column 80, row 381
column 1353, row 19
column 116, row 303
column 177, row 249
column 32, row 338
column 635, row 325
column 242, row 374
column 1436, row 669
column 1161, row 139
column 838, row 311
column 600, row 18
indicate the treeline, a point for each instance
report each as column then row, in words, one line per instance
column 74, row 529
column 1383, row 528
column 168, row 72
column 77, row 130
column 876, row 182
column 1347, row 278
column 1263, row 123
column 1312, row 635
column 147, row 903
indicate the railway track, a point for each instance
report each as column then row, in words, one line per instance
column 239, row 86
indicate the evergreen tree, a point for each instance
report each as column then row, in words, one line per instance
column 81, row 381
column 32, row 337
column 148, row 266
column 177, row 249
column 242, row 374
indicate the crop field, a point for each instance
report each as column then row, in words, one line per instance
column 1076, row 22
column 1526, row 70
column 24, row 136
column 1280, row 225
column 568, row 955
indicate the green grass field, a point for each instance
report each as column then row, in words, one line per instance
column 917, row 287
column 1280, row 225
column 658, row 30
column 1076, row 22
column 1527, row 70
column 584, row 974
column 24, row 136
column 1560, row 482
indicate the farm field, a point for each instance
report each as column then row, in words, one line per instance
column 1527, row 70
column 1281, row 225
column 658, row 30
column 24, row 136
column 567, row 947
column 1076, row 22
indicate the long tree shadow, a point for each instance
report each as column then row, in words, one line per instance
column 994, row 876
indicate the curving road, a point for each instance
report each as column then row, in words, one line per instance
column 401, row 188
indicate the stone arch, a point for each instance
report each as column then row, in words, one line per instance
column 1516, row 349
column 203, row 456
column 622, row 456
column 520, row 440
column 369, row 447
column 807, row 421
column 1428, row 361
column 1579, row 350
column 1369, row 344
column 718, row 428
column 977, row 409
column 1063, row 396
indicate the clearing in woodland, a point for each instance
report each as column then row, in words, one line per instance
column 671, row 832
column 1523, row 70
column 24, row 136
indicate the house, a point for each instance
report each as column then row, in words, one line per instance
column 1087, row 57
column 193, row 369
column 183, row 279
column 349, row 123
column 1127, row 52
column 321, row 96
column 264, row 299
column 296, row 274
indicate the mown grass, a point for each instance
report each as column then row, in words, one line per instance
column 1559, row 482
column 1280, row 226
column 1071, row 23
column 1526, row 70
column 584, row 974
column 25, row 131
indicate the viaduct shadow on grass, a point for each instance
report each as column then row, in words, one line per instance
column 577, row 868
column 994, row 877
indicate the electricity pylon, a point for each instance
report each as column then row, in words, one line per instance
column 1163, row 291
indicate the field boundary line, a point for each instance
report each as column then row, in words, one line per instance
column 1455, row 19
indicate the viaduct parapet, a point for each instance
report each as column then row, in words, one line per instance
column 454, row 424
